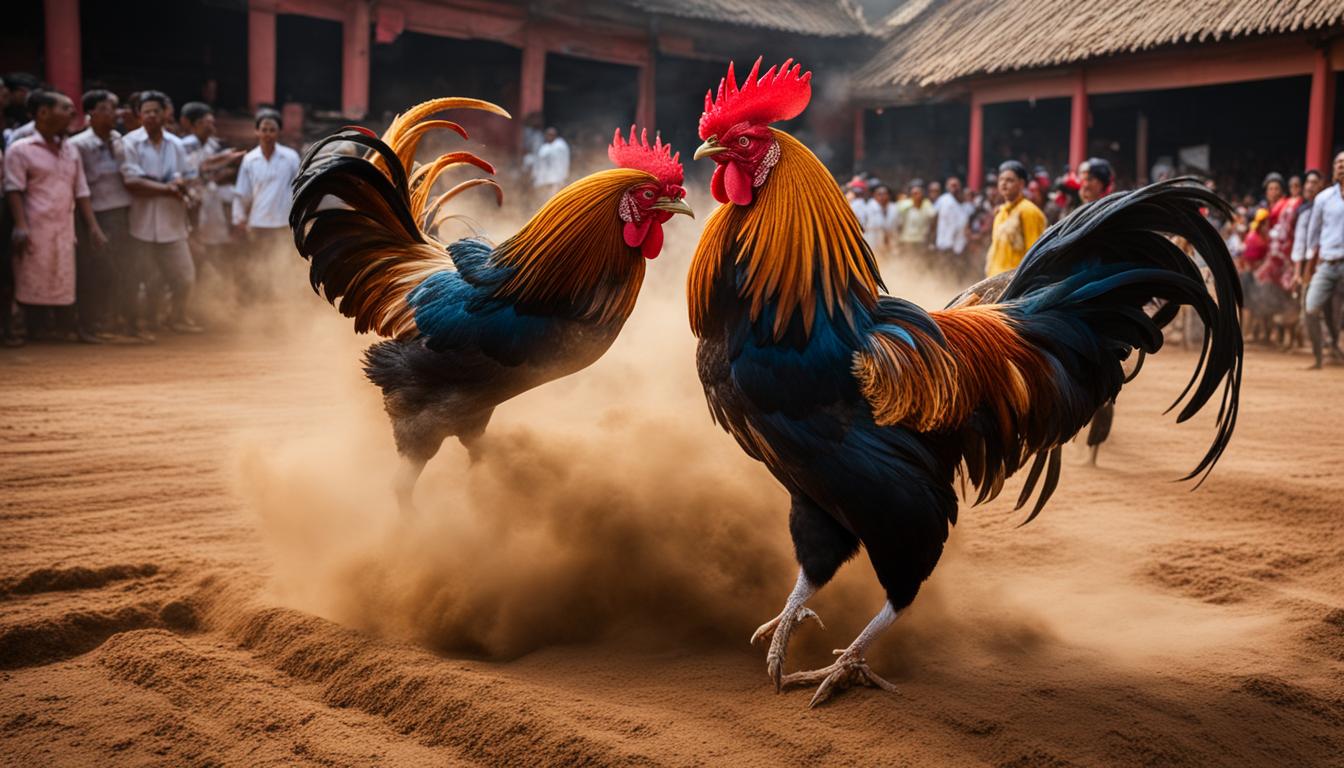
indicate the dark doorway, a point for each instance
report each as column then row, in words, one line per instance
column 1249, row 130
column 926, row 141
column 1033, row 132
column 587, row 100
column 416, row 67
column 308, row 62
column 178, row 48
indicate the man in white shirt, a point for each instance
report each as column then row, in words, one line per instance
column 1325, row 244
column 156, row 172
column 108, row 278
column 550, row 170
column 261, row 203
column 953, row 218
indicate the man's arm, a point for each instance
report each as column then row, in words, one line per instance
column 86, row 212
column 19, row 235
column 242, row 196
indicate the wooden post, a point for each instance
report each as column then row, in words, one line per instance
column 1078, row 122
column 355, row 60
column 260, row 56
column 533, row 87
column 64, row 70
column 1321, row 112
column 1141, row 150
column 646, row 107
column 975, row 164
column 859, row 149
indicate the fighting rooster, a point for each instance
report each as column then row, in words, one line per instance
column 471, row 325
column 865, row 406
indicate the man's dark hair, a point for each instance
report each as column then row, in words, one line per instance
column 95, row 97
column 1312, row 172
column 39, row 99
column 193, row 111
column 21, row 80
column 268, row 114
column 1100, row 169
column 1014, row 167
column 148, row 96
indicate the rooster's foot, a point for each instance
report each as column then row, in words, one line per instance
column 848, row 671
column 778, row 630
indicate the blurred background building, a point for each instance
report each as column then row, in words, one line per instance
column 1229, row 89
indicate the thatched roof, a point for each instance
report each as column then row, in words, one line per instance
column 934, row 42
column 818, row 18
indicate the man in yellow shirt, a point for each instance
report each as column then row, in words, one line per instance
column 1017, row 223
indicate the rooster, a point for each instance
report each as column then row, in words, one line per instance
column 472, row 324
column 865, row 407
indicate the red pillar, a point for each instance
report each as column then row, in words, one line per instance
column 355, row 61
column 975, row 164
column 646, row 107
column 64, row 71
column 1078, row 122
column 859, row 149
column 260, row 56
column 1321, row 113
column 533, row 74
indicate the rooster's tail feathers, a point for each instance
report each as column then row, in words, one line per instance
column 373, row 248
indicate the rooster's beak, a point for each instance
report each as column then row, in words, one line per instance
column 674, row 205
column 710, row 147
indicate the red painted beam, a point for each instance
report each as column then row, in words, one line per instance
column 975, row 164
column 1078, row 121
column 646, row 108
column 859, row 149
column 1321, row 112
column 64, row 71
column 260, row 57
column 355, row 61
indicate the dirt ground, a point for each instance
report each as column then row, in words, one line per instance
column 202, row 565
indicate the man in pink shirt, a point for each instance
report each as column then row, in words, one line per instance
column 44, row 184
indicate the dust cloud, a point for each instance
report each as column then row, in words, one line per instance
column 608, row 506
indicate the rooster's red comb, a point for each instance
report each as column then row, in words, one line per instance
column 782, row 93
column 656, row 159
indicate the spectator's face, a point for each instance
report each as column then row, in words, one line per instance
column 1273, row 191
column 151, row 116
column 1339, row 168
column 267, row 133
column 56, row 118
column 935, row 189
column 954, row 186
column 916, row 195
column 103, row 117
column 205, row 127
column 1092, row 188
column 1311, row 186
column 1010, row 186
column 551, row 135
column 1294, row 187
column 882, row 195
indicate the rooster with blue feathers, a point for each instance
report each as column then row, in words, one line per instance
column 865, row 407
column 473, row 324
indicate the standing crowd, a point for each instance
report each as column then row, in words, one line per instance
column 1288, row 244
column 109, row 224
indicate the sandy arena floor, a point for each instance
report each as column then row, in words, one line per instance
column 202, row 565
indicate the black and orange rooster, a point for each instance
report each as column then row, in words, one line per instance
column 474, row 324
column 865, row 406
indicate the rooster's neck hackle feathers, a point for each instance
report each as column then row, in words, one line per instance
column 797, row 242
column 571, row 254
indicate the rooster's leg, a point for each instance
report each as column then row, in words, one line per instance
column 781, row 627
column 850, row 668
column 407, row 475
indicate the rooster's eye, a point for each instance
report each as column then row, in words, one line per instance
column 743, row 141
column 648, row 194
